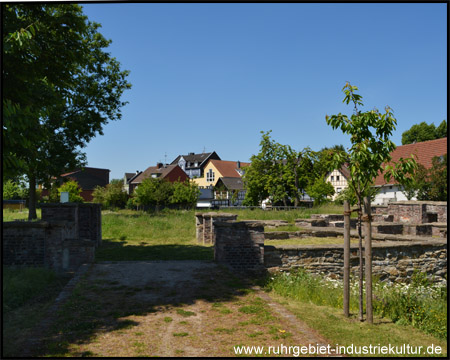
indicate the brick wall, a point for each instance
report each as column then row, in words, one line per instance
column 65, row 238
column 418, row 212
column 239, row 245
column 84, row 220
column 204, row 225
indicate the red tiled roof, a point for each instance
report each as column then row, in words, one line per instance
column 423, row 153
column 164, row 171
column 228, row 168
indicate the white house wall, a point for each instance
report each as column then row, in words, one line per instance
column 388, row 193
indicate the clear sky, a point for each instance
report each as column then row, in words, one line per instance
column 210, row 77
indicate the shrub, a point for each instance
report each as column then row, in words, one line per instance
column 112, row 196
column 73, row 189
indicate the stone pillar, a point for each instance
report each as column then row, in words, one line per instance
column 239, row 245
column 205, row 225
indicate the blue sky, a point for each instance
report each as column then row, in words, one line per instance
column 212, row 76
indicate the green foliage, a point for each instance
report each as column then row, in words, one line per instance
column 320, row 191
column 185, row 194
column 431, row 184
column 73, row 189
column 424, row 132
column 421, row 304
column 282, row 173
column 350, row 196
column 60, row 87
column 14, row 191
column 371, row 147
column 111, row 196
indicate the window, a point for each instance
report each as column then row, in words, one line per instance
column 338, row 190
column 332, row 178
column 210, row 175
column 337, row 177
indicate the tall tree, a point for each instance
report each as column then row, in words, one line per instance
column 60, row 88
column 424, row 132
column 371, row 149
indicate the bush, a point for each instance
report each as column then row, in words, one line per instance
column 112, row 196
column 160, row 193
column 73, row 189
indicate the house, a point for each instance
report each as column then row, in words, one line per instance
column 339, row 179
column 167, row 172
column 88, row 178
column 225, row 179
column 127, row 178
column 193, row 164
column 424, row 153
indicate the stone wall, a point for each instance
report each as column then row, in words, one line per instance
column 394, row 262
column 84, row 220
column 65, row 238
column 44, row 244
column 418, row 212
column 204, row 225
column 239, row 245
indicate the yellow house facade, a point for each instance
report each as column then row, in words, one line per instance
column 215, row 169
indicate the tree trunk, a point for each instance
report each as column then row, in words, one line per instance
column 32, row 199
column 361, row 270
column 368, row 256
column 346, row 258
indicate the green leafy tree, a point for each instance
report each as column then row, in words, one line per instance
column 73, row 189
column 278, row 172
column 153, row 192
column 112, row 195
column 430, row 184
column 59, row 89
column 370, row 152
column 320, row 190
column 185, row 194
column 424, row 132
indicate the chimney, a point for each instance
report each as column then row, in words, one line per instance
column 137, row 171
column 238, row 164
column 191, row 153
column 159, row 165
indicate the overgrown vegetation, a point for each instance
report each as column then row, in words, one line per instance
column 419, row 303
column 27, row 294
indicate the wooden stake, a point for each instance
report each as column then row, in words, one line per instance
column 368, row 259
column 346, row 258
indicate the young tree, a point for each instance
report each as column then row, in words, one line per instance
column 370, row 152
column 320, row 190
column 60, row 88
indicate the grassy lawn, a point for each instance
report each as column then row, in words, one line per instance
column 331, row 323
column 332, row 240
column 27, row 294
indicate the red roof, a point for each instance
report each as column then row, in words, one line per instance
column 423, row 153
column 228, row 168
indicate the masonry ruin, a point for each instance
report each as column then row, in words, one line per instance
column 404, row 242
column 65, row 238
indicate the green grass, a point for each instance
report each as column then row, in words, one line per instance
column 311, row 241
column 27, row 295
column 418, row 304
column 11, row 215
column 289, row 227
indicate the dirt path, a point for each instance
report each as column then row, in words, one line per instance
column 169, row 308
